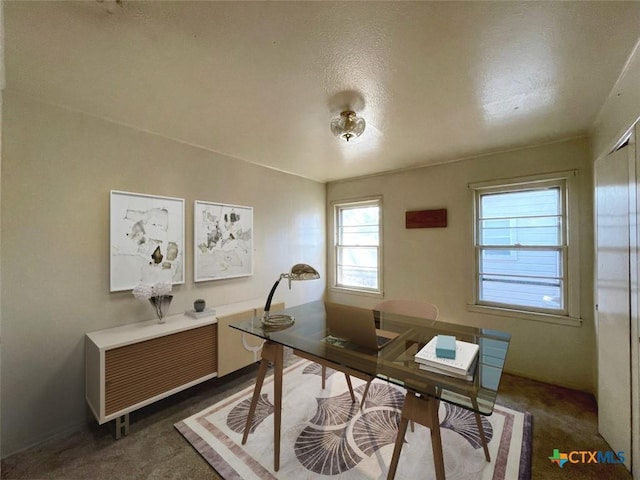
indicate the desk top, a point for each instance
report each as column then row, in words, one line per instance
column 395, row 363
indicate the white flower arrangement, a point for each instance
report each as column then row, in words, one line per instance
column 158, row 294
column 145, row 291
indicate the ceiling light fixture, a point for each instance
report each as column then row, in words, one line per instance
column 348, row 125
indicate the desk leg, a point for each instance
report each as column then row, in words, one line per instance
column 423, row 410
column 485, row 447
column 271, row 353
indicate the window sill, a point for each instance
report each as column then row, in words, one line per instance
column 355, row 291
column 538, row 317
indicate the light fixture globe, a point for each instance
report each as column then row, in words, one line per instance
column 348, row 125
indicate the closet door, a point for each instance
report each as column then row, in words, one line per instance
column 613, row 315
column 634, row 207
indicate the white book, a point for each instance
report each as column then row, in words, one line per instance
column 464, row 376
column 465, row 355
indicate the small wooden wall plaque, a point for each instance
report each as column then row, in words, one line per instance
column 426, row 218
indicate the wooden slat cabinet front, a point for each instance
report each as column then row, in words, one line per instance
column 140, row 371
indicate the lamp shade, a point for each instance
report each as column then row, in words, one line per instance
column 302, row 271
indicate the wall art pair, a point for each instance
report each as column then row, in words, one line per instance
column 148, row 240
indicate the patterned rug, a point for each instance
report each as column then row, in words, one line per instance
column 325, row 435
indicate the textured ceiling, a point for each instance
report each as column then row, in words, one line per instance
column 435, row 81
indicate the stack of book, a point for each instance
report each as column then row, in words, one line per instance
column 462, row 366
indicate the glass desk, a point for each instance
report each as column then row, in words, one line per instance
column 394, row 363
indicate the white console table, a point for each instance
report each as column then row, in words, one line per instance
column 134, row 365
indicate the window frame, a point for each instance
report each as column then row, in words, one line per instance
column 336, row 207
column 569, row 247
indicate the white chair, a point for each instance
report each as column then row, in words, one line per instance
column 411, row 308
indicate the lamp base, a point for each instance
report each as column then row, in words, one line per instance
column 277, row 322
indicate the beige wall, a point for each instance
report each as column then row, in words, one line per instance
column 436, row 264
column 57, row 170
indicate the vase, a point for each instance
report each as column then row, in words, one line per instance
column 160, row 305
column 199, row 305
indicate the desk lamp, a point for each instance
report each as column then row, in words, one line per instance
column 300, row 271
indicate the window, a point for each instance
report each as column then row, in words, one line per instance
column 357, row 239
column 523, row 257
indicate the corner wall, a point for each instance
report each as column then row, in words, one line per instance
column 57, row 170
column 436, row 264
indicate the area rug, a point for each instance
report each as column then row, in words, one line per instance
column 326, row 435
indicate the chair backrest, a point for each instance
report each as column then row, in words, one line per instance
column 413, row 308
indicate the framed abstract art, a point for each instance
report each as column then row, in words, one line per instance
column 223, row 241
column 146, row 240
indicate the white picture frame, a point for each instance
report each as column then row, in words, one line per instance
column 146, row 240
column 223, row 241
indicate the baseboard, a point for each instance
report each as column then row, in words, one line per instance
column 537, row 378
column 45, row 438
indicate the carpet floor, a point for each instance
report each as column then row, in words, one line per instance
column 563, row 418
